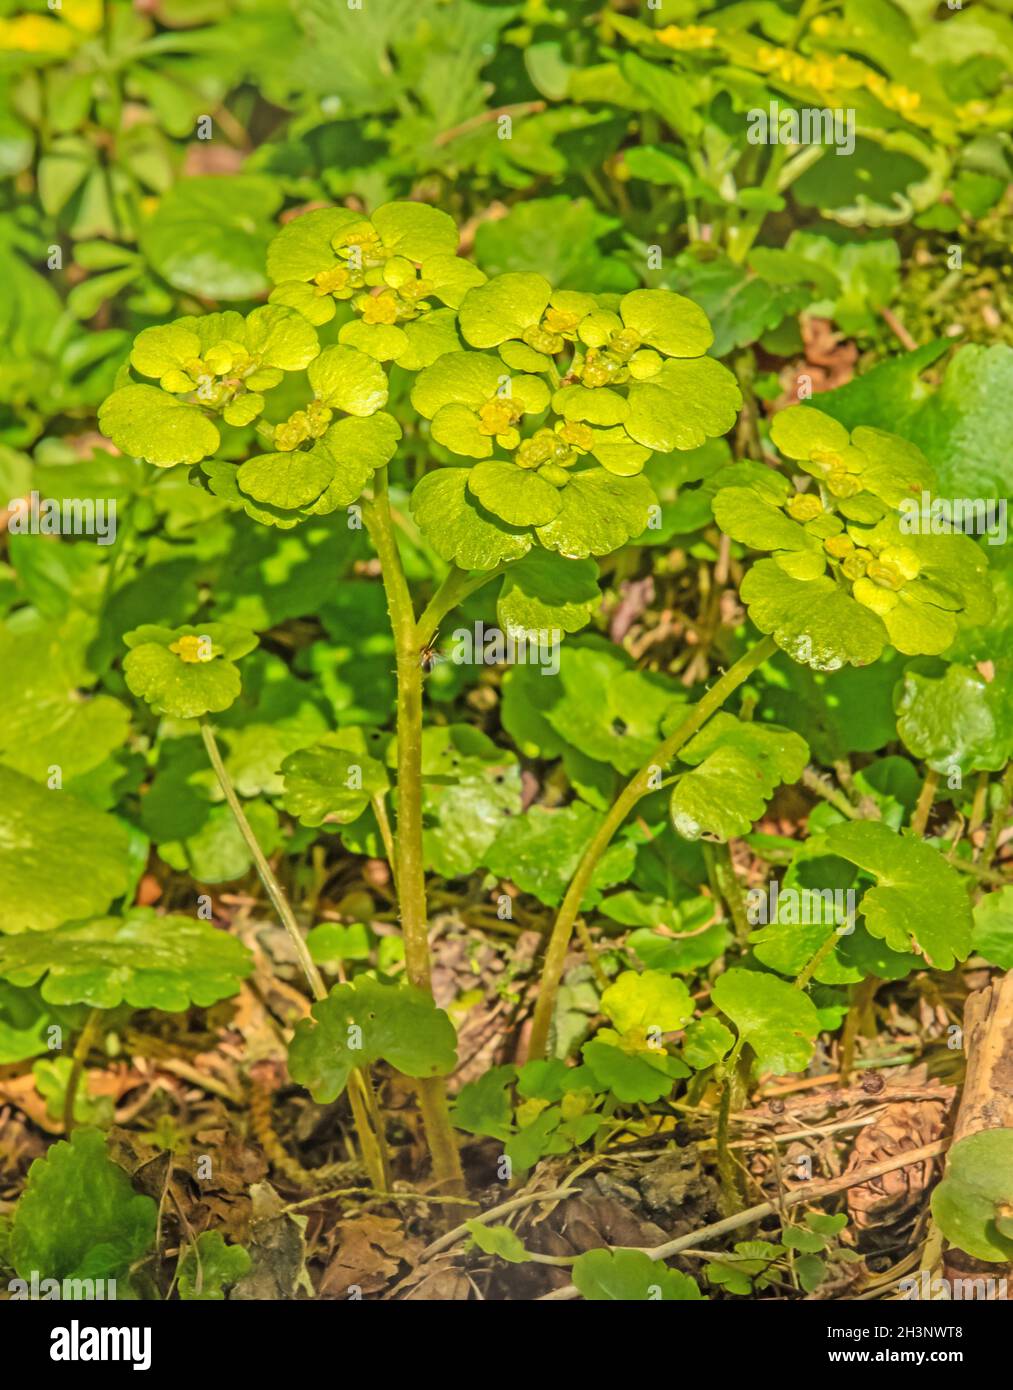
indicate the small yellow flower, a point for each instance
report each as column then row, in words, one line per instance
column 804, row 506
column 380, row 308
column 580, row 436
column 496, row 417
column 560, row 320
column 839, row 546
column 687, row 37
column 192, row 649
column 854, row 564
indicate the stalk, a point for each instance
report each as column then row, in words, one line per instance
column 88, row 1035
column 923, row 809
column 410, row 873
column 638, row 787
column 365, row 1112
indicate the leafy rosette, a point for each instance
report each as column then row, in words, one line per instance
column 325, row 451
column 216, row 366
column 848, row 573
column 397, row 270
column 186, row 672
column 579, row 395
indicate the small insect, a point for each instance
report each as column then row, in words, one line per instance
column 430, row 654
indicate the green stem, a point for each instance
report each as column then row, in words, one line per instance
column 860, row 999
column 379, row 805
column 999, row 816
column 81, row 1050
column 411, row 882
column 638, row 787
column 815, row 961
column 368, row 1122
column 454, row 589
column 267, row 877
column 727, row 883
column 921, row 812
column 731, row 1093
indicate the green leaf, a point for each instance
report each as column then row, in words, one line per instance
column 345, row 379
column 672, row 324
column 288, row 480
column 737, row 767
column 79, row 1217
column 150, row 424
column 198, row 677
column 303, row 248
column 354, row 448
column 39, row 889
column 972, row 1204
column 140, row 959
column 498, row 1240
column 484, row 1106
column 539, row 851
column 992, row 934
column 558, row 237
column 365, row 1022
column 331, row 781
column 458, row 528
column 707, row 1041
column 545, row 593
column 686, row 404
column 415, row 230
column 779, row 1022
column 208, row 1265
column 209, row 235
column 628, row 1276
column 638, row 1003
column 469, row 788
column 599, row 514
column 919, row 903
column 633, row 1075
column 814, row 620
column 517, row 496
column 503, row 308
column 955, row 718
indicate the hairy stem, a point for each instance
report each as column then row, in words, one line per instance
column 816, row 960
column 727, row 883
column 410, row 873
column 642, row 783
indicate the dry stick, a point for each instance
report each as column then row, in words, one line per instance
column 806, row 1193
column 638, row 787
column 365, row 1112
column 504, row 1209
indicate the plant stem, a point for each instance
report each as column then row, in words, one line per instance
column 379, row 805
column 728, row 885
column 81, row 1050
column 998, row 821
column 368, row 1122
column 638, row 787
column 410, row 873
column 815, row 961
column 454, row 589
column 731, row 1095
column 921, row 812
column 267, row 876
column 861, row 997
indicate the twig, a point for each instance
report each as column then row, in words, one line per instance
column 504, row 1209
column 805, row 1193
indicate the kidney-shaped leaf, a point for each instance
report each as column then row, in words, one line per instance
column 140, row 959
column 365, row 1022
column 778, row 1021
column 630, row 1276
column 973, row 1205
